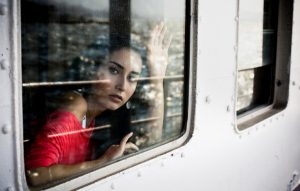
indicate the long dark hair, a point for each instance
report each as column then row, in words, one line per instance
column 87, row 65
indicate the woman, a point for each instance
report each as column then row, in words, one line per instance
column 57, row 152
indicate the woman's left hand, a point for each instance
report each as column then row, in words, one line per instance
column 157, row 51
column 115, row 151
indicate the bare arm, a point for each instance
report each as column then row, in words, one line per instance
column 157, row 59
column 43, row 175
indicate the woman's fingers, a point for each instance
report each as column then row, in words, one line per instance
column 132, row 146
column 161, row 34
column 153, row 35
column 157, row 35
column 125, row 139
column 168, row 42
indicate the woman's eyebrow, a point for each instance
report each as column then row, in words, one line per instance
column 117, row 64
column 122, row 67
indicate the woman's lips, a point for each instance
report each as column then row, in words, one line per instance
column 116, row 98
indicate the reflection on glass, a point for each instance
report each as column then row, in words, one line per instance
column 245, row 89
column 250, row 33
column 256, row 54
column 93, row 91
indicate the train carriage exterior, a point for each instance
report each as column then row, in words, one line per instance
column 231, row 118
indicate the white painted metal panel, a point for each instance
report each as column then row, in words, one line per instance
column 261, row 158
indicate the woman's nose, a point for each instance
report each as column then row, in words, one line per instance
column 121, row 84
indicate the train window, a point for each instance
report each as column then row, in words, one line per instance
column 263, row 75
column 102, row 80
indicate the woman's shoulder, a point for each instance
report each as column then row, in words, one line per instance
column 75, row 103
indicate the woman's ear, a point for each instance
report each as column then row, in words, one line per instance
column 128, row 105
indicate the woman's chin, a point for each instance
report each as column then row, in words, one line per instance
column 114, row 107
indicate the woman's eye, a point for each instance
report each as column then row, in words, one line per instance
column 132, row 78
column 113, row 70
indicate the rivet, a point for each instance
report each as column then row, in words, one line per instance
column 9, row 189
column 207, row 99
column 3, row 9
column 293, row 83
column 182, row 155
column 3, row 65
column 235, row 48
column 236, row 18
column 5, row 129
column 228, row 108
column 139, row 174
column 112, row 186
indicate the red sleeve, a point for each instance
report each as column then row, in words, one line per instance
column 44, row 151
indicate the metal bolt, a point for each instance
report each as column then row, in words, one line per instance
column 5, row 129
column 236, row 18
column 235, row 48
column 112, row 186
column 182, row 155
column 3, row 9
column 207, row 99
column 3, row 65
column 139, row 174
column 228, row 108
column 9, row 189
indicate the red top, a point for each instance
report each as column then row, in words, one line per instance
column 62, row 140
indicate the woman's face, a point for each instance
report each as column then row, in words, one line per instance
column 119, row 74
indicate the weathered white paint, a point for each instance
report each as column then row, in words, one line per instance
column 217, row 157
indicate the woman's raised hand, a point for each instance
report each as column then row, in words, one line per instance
column 157, row 50
column 115, row 151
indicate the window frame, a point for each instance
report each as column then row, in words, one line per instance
column 281, row 74
column 111, row 168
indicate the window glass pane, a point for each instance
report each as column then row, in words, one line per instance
column 245, row 89
column 250, row 33
column 256, row 81
column 93, row 71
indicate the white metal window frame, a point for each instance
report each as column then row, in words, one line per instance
column 282, row 65
column 115, row 166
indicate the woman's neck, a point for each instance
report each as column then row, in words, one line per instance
column 92, row 110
